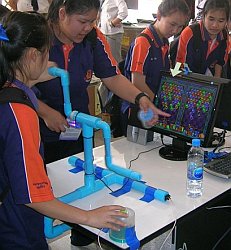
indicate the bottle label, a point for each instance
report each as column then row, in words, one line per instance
column 195, row 173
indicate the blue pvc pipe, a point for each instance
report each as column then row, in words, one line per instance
column 136, row 185
column 109, row 178
column 117, row 169
column 63, row 74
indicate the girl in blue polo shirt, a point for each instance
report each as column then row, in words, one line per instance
column 212, row 54
column 80, row 48
column 25, row 190
column 145, row 59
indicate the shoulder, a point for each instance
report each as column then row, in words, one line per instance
column 187, row 32
column 144, row 38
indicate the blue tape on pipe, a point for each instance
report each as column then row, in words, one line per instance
column 149, row 194
column 98, row 172
column 76, row 170
column 127, row 185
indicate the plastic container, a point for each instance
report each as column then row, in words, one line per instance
column 195, row 165
column 145, row 117
column 119, row 236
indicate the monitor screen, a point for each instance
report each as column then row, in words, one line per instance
column 223, row 119
column 191, row 100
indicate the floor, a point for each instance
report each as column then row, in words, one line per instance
column 63, row 242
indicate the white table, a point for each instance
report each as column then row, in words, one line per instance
column 151, row 218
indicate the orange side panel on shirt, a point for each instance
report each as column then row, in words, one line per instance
column 37, row 179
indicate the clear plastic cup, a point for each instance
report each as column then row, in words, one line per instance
column 119, row 236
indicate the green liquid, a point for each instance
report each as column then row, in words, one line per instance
column 118, row 236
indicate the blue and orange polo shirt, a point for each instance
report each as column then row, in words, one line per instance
column 143, row 59
column 207, row 55
column 80, row 60
column 22, row 169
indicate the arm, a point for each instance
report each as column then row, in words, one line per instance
column 218, row 70
column 224, row 48
column 122, row 87
column 122, row 13
column 139, row 81
column 99, row 218
column 53, row 119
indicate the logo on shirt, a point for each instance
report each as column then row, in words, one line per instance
column 88, row 75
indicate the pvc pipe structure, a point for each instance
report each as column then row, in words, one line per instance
column 114, row 174
column 63, row 74
column 89, row 122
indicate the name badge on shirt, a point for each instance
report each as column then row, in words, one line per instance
column 72, row 133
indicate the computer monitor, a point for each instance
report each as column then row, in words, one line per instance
column 223, row 119
column 192, row 101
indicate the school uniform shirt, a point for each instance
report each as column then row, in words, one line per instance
column 205, row 57
column 80, row 60
column 110, row 10
column 25, row 5
column 147, row 60
column 22, row 169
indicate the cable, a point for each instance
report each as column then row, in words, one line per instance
column 130, row 165
column 98, row 239
column 222, row 237
column 227, row 231
column 218, row 207
column 220, row 149
column 184, row 247
column 103, row 183
column 143, row 152
column 128, row 168
column 220, row 137
column 174, row 225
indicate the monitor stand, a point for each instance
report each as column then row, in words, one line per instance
column 177, row 151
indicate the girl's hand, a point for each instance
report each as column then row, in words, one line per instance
column 105, row 217
column 146, row 104
column 55, row 121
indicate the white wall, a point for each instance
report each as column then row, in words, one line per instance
column 145, row 10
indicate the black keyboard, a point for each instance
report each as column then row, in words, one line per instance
column 220, row 167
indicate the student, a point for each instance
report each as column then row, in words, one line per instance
column 28, row 195
column 112, row 13
column 212, row 54
column 81, row 49
column 40, row 6
column 145, row 59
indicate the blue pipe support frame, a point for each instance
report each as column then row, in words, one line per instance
column 113, row 175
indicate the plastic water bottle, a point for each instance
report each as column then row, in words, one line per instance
column 145, row 117
column 195, row 169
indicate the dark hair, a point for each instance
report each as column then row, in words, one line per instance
column 24, row 30
column 167, row 7
column 216, row 5
column 3, row 11
column 71, row 7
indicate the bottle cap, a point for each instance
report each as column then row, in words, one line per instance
column 196, row 142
